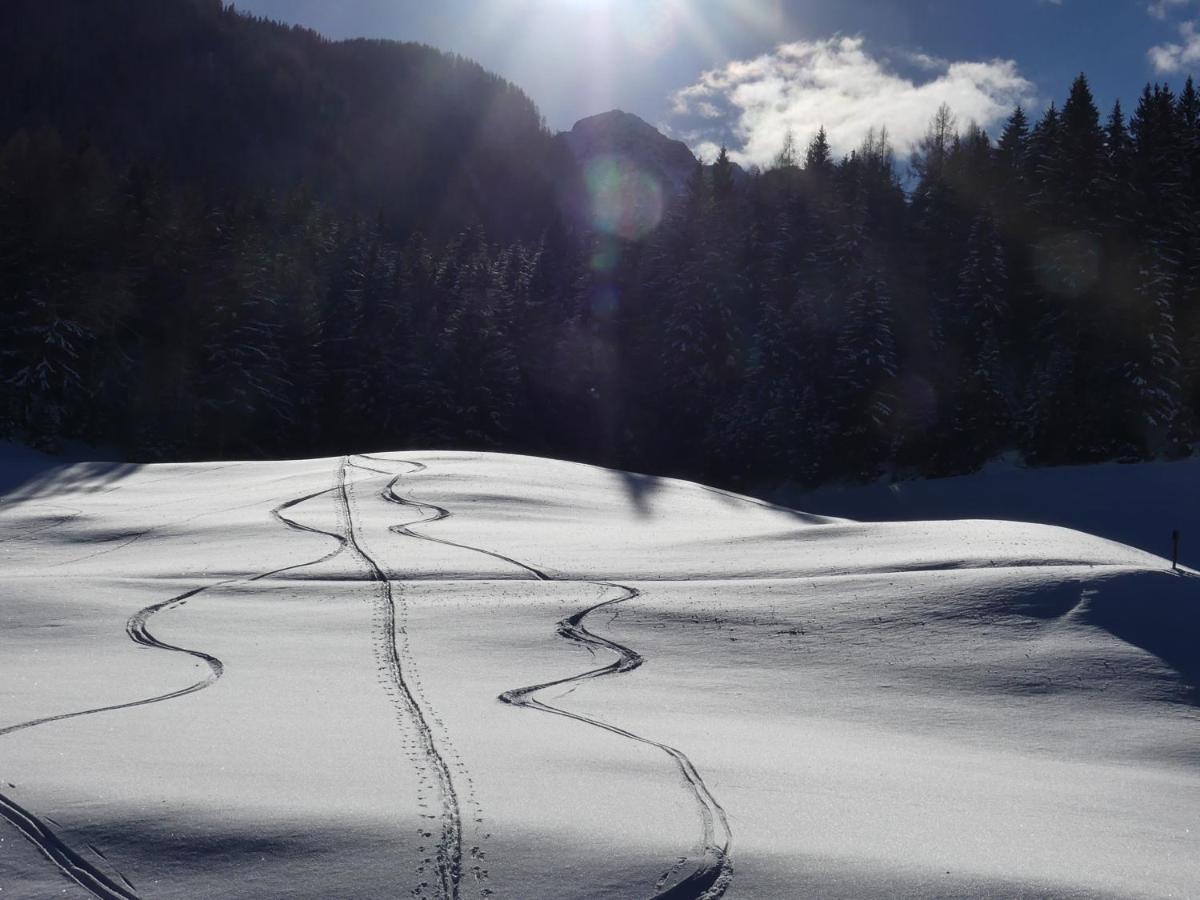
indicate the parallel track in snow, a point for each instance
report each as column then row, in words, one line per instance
column 448, row 857
column 710, row 878
column 72, row 865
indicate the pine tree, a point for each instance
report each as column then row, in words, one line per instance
column 818, row 157
column 241, row 386
column 1151, row 405
column 722, row 178
column 1080, row 168
column 1013, row 146
column 867, row 364
column 40, row 367
column 1118, row 150
column 1187, row 302
column 1043, row 160
column 865, row 356
column 981, row 420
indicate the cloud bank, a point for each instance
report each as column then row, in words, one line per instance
column 837, row 83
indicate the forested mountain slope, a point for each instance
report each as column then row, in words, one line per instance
column 420, row 138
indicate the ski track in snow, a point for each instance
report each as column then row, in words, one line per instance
column 68, row 861
column 36, row 831
column 711, row 878
column 404, row 691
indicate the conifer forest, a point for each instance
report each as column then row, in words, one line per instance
column 240, row 261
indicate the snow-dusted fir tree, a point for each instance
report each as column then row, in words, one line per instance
column 1066, row 414
column 701, row 333
column 1187, row 303
column 40, row 367
column 240, row 371
column 981, row 417
column 475, row 360
column 1012, row 150
column 1150, row 366
column 866, row 366
column 866, row 355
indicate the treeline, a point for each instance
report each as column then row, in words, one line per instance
column 823, row 319
column 1037, row 293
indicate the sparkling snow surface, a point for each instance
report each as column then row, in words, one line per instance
column 361, row 678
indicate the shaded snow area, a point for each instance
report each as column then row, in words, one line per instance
column 1139, row 504
column 453, row 675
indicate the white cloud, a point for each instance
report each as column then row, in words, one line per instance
column 837, row 83
column 1160, row 8
column 927, row 62
column 1169, row 58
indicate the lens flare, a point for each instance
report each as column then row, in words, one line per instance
column 624, row 200
column 605, row 256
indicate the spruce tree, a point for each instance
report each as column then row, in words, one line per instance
column 981, row 420
column 1013, row 146
column 1081, row 148
column 818, row 157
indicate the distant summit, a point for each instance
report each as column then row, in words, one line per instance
column 399, row 133
column 623, row 175
column 621, row 134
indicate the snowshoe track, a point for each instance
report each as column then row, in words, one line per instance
column 405, row 692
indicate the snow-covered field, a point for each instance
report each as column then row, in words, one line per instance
column 441, row 675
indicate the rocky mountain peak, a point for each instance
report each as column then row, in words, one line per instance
column 625, row 135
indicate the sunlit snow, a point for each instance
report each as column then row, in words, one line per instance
column 373, row 677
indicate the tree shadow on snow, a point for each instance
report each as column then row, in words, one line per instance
column 25, row 481
column 640, row 489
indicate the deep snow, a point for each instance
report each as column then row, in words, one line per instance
column 370, row 677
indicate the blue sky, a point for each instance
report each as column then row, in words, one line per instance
column 744, row 72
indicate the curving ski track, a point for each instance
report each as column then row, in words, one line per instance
column 711, row 878
column 36, row 831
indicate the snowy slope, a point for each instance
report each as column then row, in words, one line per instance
column 472, row 675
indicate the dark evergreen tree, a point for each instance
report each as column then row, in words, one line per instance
column 818, row 157
column 981, row 421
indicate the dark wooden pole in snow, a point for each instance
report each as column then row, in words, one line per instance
column 1175, row 549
